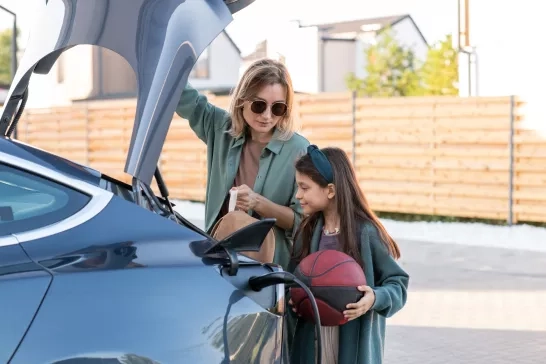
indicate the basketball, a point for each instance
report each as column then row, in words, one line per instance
column 333, row 278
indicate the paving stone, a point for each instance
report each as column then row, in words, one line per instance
column 470, row 305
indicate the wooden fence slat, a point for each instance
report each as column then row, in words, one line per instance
column 433, row 155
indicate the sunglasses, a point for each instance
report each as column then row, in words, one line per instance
column 277, row 108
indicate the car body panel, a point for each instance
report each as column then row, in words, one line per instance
column 23, row 285
column 160, row 39
column 119, row 221
column 118, row 282
column 144, row 281
column 161, row 314
column 127, row 283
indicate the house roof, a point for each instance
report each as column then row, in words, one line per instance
column 232, row 42
column 357, row 26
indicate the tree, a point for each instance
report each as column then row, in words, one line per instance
column 5, row 57
column 391, row 69
column 440, row 72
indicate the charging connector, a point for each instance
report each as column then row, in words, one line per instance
column 257, row 283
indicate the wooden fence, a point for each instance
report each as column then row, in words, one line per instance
column 465, row 157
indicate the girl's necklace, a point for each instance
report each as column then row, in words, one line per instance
column 327, row 232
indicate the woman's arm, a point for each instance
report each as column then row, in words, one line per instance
column 203, row 117
column 288, row 217
column 285, row 215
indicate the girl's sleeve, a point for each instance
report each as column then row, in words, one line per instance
column 204, row 118
column 391, row 281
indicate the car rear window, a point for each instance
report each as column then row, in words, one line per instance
column 29, row 201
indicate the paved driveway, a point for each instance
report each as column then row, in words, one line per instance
column 470, row 305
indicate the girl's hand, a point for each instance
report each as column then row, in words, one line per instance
column 355, row 310
column 246, row 198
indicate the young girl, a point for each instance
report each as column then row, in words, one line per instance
column 338, row 217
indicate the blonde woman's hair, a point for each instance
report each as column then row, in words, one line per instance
column 262, row 73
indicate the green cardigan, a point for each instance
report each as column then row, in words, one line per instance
column 362, row 340
column 276, row 175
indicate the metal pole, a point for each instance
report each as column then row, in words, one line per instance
column 476, row 73
column 466, row 23
column 511, row 165
column 459, row 25
column 462, row 46
column 469, row 73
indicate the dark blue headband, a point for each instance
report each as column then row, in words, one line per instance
column 322, row 164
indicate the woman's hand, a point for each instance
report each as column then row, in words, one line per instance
column 246, row 198
column 250, row 200
column 355, row 310
column 292, row 305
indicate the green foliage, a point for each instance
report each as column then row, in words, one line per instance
column 440, row 72
column 391, row 69
column 5, row 56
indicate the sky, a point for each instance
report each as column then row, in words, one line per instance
column 503, row 32
column 435, row 18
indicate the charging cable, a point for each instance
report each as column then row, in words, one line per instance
column 257, row 283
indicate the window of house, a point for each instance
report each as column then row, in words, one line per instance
column 29, row 202
column 201, row 69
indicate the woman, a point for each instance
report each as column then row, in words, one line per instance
column 252, row 148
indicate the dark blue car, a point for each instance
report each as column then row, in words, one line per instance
column 93, row 270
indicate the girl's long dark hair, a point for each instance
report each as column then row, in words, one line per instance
column 352, row 207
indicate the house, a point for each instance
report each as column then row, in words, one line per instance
column 319, row 56
column 90, row 73
column 342, row 46
column 262, row 50
column 217, row 69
